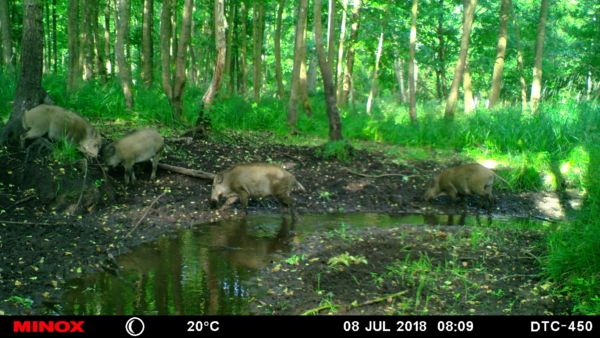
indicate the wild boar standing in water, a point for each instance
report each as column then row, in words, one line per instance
column 141, row 145
column 58, row 122
column 467, row 179
column 254, row 180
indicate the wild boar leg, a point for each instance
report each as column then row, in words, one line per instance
column 244, row 199
column 287, row 202
column 154, row 161
column 230, row 200
column 31, row 133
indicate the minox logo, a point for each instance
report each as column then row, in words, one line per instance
column 60, row 326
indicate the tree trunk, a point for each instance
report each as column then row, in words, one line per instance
column 347, row 85
column 182, row 47
column 107, row 55
column 147, row 45
column 412, row 80
column 73, row 44
column 47, row 38
column 375, row 70
column 335, row 124
column 54, row 38
column 87, row 47
column 500, row 54
column 5, row 28
column 440, row 69
column 243, row 48
column 123, row 10
column 278, row 72
column 331, row 34
column 165, row 46
column 468, row 90
column 299, row 53
column 469, row 11
column 536, row 84
column 220, row 42
column 340, row 56
column 228, row 71
column 399, row 70
column 312, row 73
column 98, row 46
column 520, row 66
column 29, row 91
column 258, row 14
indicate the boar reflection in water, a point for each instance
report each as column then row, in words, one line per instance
column 254, row 180
column 139, row 146
column 58, row 122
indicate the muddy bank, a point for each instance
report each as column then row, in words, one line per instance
column 411, row 270
column 43, row 246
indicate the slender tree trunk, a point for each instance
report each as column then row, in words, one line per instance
column 7, row 54
column 194, row 59
column 312, row 73
column 299, row 53
column 347, row 85
column 147, row 45
column 520, row 66
column 73, row 44
column 440, row 69
column 98, row 46
column 375, row 70
column 500, row 53
column 107, row 55
column 228, row 72
column 278, row 72
column 182, row 47
column 220, row 42
column 468, row 89
column 399, row 70
column 536, row 84
column 335, row 124
column 243, row 48
column 469, row 11
column 47, row 39
column 331, row 34
column 87, row 46
column 54, row 38
column 165, row 46
column 340, row 56
column 412, row 79
column 257, row 38
column 30, row 92
column 123, row 10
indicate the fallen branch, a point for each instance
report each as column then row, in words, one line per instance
column 145, row 213
column 189, row 172
column 352, row 306
column 545, row 219
column 373, row 176
column 31, row 223
column 22, row 200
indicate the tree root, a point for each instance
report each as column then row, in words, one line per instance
column 189, row 172
column 347, row 307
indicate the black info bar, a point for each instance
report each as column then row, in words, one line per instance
column 356, row 326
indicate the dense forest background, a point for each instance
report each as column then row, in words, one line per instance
column 517, row 80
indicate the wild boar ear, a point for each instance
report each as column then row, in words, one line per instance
column 219, row 178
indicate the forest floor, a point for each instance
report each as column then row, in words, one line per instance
column 43, row 246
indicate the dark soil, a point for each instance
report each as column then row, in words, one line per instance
column 53, row 227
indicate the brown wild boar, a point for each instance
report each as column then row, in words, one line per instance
column 467, row 179
column 141, row 145
column 254, row 180
column 59, row 122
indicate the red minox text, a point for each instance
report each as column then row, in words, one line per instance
column 60, row 326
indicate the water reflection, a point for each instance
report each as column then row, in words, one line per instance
column 202, row 271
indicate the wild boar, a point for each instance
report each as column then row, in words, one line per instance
column 59, row 122
column 141, row 145
column 254, row 180
column 466, row 179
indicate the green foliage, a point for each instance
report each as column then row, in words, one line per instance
column 345, row 259
column 339, row 150
column 65, row 151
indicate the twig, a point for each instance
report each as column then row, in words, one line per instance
column 186, row 171
column 352, row 306
column 545, row 219
column 145, row 213
column 31, row 223
column 22, row 200
column 373, row 176
column 85, row 171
